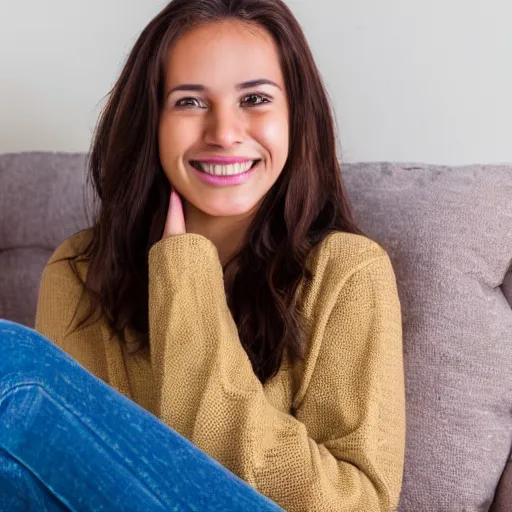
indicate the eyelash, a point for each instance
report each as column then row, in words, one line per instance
column 265, row 100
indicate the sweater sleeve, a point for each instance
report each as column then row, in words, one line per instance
column 60, row 305
column 343, row 447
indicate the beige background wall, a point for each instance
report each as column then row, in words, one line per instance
column 411, row 80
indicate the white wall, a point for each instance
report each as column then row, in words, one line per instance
column 411, row 80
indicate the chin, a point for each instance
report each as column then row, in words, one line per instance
column 227, row 210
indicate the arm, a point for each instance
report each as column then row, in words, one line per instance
column 61, row 305
column 343, row 450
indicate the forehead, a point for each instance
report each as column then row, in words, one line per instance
column 223, row 54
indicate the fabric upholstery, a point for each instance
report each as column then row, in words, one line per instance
column 448, row 232
column 42, row 199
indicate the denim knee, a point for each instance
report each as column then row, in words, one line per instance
column 27, row 356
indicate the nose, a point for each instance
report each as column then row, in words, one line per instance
column 224, row 127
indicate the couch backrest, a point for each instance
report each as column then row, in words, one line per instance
column 41, row 204
column 448, row 232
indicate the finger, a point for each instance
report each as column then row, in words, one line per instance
column 175, row 222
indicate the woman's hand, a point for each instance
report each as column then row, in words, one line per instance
column 175, row 222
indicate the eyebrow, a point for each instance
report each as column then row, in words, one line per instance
column 244, row 85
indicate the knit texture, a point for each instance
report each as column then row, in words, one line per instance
column 326, row 434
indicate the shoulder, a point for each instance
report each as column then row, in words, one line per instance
column 67, row 255
column 71, row 247
column 341, row 254
column 352, row 245
column 344, row 261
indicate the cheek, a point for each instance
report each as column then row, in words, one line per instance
column 175, row 136
column 272, row 134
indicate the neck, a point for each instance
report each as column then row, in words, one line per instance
column 226, row 233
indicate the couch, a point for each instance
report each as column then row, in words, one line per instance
column 448, row 232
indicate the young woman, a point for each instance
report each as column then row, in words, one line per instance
column 223, row 307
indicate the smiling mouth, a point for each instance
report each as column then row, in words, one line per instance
column 224, row 170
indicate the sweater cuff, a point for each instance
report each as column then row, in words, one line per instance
column 184, row 255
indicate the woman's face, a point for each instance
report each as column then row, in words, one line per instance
column 224, row 129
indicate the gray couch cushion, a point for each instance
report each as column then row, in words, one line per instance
column 448, row 233
column 41, row 203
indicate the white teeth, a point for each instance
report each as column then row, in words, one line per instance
column 227, row 170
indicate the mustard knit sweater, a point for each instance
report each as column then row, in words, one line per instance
column 327, row 434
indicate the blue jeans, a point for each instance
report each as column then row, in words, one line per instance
column 68, row 441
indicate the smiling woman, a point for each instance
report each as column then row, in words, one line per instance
column 230, row 292
column 215, row 118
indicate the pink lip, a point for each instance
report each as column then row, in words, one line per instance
column 225, row 160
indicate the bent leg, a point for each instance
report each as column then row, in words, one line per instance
column 91, row 448
column 20, row 491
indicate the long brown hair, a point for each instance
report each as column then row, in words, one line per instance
column 307, row 202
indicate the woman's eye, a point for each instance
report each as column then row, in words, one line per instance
column 253, row 100
column 189, row 102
